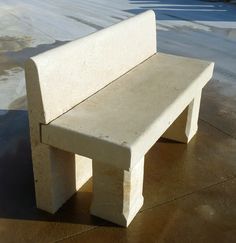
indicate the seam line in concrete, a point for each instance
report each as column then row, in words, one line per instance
column 75, row 234
column 190, row 193
column 158, row 205
column 217, row 128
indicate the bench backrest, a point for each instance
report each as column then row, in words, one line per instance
column 61, row 78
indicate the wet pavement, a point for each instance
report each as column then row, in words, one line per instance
column 189, row 190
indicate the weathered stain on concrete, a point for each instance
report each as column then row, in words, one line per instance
column 19, row 57
column 12, row 81
column 5, row 64
column 9, row 43
column 14, row 51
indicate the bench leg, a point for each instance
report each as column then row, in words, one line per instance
column 186, row 125
column 55, row 176
column 84, row 171
column 117, row 193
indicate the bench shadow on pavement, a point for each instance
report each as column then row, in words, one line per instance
column 17, row 182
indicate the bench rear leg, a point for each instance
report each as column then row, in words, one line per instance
column 186, row 125
column 117, row 193
column 55, row 176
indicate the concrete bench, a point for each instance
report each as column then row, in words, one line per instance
column 98, row 104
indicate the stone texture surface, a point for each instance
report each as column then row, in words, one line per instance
column 54, row 170
column 112, row 126
column 117, row 194
column 86, row 72
column 66, row 70
column 186, row 125
column 95, row 128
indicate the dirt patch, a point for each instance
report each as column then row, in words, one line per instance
column 15, row 51
column 8, row 43
column 6, row 64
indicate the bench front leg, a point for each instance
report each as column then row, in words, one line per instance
column 117, row 193
column 185, row 126
column 58, row 175
column 54, row 175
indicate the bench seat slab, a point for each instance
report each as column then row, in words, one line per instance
column 121, row 122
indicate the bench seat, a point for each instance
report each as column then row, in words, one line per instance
column 121, row 122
